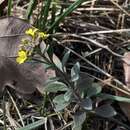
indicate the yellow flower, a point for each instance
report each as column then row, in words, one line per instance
column 43, row 35
column 22, row 56
column 31, row 32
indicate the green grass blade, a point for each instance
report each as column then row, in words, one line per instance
column 31, row 7
column 9, row 7
column 53, row 14
column 45, row 13
column 67, row 11
column 112, row 97
column 33, row 125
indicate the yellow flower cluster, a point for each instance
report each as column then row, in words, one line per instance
column 22, row 57
column 27, row 46
column 35, row 32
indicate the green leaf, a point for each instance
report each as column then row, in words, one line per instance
column 112, row 97
column 75, row 72
column 45, row 13
column 54, row 11
column 94, row 90
column 77, row 128
column 33, row 125
column 65, row 58
column 59, row 99
column 79, row 119
column 106, row 111
column 52, row 79
column 55, row 87
column 84, row 82
column 86, row 104
column 60, row 102
column 57, row 62
column 60, row 107
column 9, row 7
column 68, row 95
column 50, row 51
column 31, row 7
column 43, row 47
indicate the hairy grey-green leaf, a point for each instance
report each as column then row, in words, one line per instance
column 57, row 62
column 105, row 111
column 68, row 95
column 86, row 104
column 94, row 90
column 65, row 58
column 84, row 82
column 79, row 119
column 77, row 128
column 75, row 72
column 55, row 87
column 60, row 102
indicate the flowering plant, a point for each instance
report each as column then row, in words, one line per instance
column 27, row 46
